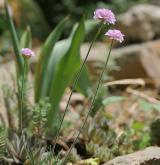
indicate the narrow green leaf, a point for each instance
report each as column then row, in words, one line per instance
column 16, row 45
column 65, row 71
column 44, row 58
column 60, row 49
column 26, row 38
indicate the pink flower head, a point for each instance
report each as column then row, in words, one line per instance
column 105, row 15
column 115, row 35
column 27, row 52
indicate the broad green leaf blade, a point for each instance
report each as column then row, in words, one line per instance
column 84, row 83
column 59, row 51
column 65, row 71
column 41, row 72
column 26, row 38
column 16, row 45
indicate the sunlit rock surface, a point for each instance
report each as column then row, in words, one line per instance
column 149, row 156
column 140, row 23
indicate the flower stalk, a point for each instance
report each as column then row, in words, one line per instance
column 22, row 95
column 91, row 106
column 77, row 77
column 27, row 53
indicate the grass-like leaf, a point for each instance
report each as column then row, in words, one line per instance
column 41, row 72
column 66, row 69
column 16, row 45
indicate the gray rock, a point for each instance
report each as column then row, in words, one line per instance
column 140, row 23
column 149, row 156
column 137, row 61
column 155, row 2
column 134, row 61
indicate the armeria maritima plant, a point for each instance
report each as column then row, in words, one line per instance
column 105, row 16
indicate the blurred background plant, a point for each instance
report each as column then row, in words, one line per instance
column 54, row 11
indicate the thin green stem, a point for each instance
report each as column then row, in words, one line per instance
column 91, row 106
column 75, row 84
column 22, row 97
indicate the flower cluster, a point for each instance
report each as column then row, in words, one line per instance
column 27, row 52
column 115, row 35
column 107, row 16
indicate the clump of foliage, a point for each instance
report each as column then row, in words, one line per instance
column 30, row 126
column 121, row 5
column 51, row 65
column 139, row 134
column 79, row 7
column 39, row 117
column 102, row 141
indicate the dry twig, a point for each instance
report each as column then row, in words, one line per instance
column 142, row 95
column 126, row 82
